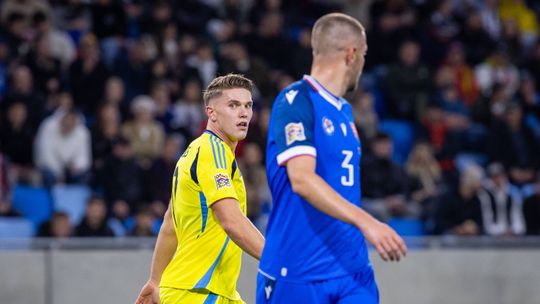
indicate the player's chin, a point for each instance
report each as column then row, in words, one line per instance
column 241, row 135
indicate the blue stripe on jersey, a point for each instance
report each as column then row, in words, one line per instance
column 203, row 282
column 211, row 299
column 223, row 155
column 218, row 148
column 204, row 211
column 213, row 150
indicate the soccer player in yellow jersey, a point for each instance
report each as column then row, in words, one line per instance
column 199, row 247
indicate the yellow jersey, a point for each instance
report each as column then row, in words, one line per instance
column 205, row 258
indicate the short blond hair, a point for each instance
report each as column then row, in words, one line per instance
column 332, row 31
column 229, row 81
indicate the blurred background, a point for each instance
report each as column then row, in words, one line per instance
column 98, row 98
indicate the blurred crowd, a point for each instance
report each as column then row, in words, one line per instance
column 108, row 93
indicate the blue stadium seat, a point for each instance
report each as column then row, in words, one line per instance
column 14, row 227
column 33, row 203
column 71, row 199
column 402, row 134
column 407, row 227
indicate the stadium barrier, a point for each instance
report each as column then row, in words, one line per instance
column 444, row 270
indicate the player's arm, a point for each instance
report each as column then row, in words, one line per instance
column 163, row 253
column 309, row 185
column 238, row 226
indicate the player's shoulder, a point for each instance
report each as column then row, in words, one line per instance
column 211, row 148
column 294, row 97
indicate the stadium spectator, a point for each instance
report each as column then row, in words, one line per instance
column 459, row 211
column 463, row 74
column 513, row 144
column 255, row 179
column 87, row 76
column 22, row 88
column 204, row 62
column 144, row 132
column 104, row 133
column 531, row 210
column 407, row 85
column 132, row 65
column 391, row 23
column 188, row 110
column 115, row 94
column 365, row 117
column 144, row 221
column 157, row 179
column 16, row 142
column 497, row 69
column 385, row 185
column 476, row 39
column 426, row 178
column 501, row 204
column 164, row 114
column 45, row 68
column 63, row 149
column 121, row 177
column 60, row 45
column 94, row 223
column 59, row 226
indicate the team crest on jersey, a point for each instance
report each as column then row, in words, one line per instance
column 222, row 181
column 294, row 132
column 328, row 126
column 355, row 132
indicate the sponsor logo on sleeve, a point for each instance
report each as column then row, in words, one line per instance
column 294, row 132
column 290, row 95
column 222, row 181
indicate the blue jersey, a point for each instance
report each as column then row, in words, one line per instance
column 302, row 243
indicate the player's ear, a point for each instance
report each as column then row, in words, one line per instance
column 350, row 55
column 211, row 113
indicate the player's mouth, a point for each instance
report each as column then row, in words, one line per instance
column 242, row 125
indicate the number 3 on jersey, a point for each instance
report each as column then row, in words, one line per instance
column 348, row 179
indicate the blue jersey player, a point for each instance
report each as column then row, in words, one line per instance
column 315, row 250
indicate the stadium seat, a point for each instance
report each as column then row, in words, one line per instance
column 402, row 134
column 13, row 227
column 72, row 200
column 33, row 203
column 407, row 227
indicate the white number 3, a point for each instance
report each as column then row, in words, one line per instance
column 347, row 180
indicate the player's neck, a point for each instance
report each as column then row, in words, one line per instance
column 330, row 78
column 219, row 133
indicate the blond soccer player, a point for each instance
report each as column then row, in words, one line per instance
column 198, row 252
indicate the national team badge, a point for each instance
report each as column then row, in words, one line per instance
column 328, row 126
column 353, row 127
column 294, row 132
column 222, row 180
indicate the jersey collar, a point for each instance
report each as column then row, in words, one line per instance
column 331, row 98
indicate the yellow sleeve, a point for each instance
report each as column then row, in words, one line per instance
column 214, row 171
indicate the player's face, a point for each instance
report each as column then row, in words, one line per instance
column 232, row 112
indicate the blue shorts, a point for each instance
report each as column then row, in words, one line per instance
column 359, row 288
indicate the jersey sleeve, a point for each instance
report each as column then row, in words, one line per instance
column 214, row 172
column 293, row 126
